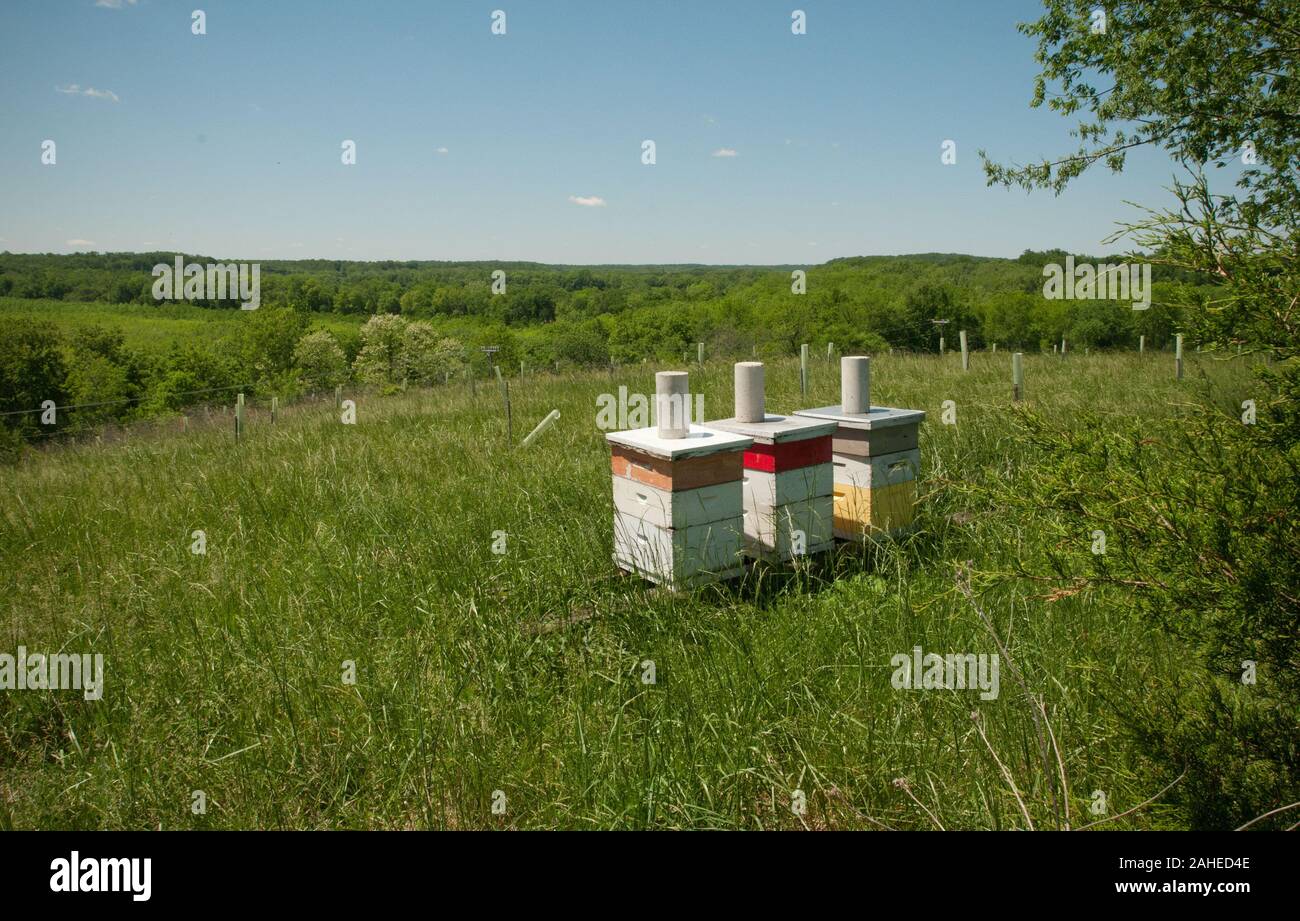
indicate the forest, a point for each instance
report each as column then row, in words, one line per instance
column 69, row 322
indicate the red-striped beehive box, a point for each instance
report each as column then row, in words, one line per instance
column 788, row 485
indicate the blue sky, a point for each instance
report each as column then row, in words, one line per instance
column 475, row 146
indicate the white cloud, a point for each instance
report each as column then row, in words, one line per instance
column 588, row 201
column 441, row 150
column 114, row 4
column 75, row 89
column 81, row 243
column 725, row 152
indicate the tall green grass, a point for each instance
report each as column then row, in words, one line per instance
column 523, row 672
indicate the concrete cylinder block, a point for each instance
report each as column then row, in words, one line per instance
column 855, row 384
column 672, row 404
column 750, row 396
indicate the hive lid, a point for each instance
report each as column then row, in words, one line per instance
column 775, row 429
column 700, row 441
column 880, row 417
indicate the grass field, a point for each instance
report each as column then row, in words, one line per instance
column 152, row 327
column 523, row 672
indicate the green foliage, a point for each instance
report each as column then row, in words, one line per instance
column 382, row 343
column 270, row 336
column 394, row 351
column 1200, row 512
column 320, row 359
column 428, row 358
column 583, row 343
column 585, row 317
column 32, row 371
column 1198, row 80
column 1200, row 539
column 101, row 388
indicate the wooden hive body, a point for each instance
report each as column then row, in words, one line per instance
column 788, row 483
column 876, row 460
column 678, row 504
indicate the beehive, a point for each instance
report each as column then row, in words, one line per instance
column 788, row 477
column 875, row 456
column 678, row 495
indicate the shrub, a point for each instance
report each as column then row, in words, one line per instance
column 101, row 389
column 382, row 343
column 426, row 357
column 269, row 337
column 320, row 359
column 32, row 370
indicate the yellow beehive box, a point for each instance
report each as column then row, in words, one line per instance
column 875, row 455
column 860, row 510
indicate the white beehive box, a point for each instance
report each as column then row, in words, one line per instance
column 685, row 508
column 773, row 489
column 878, row 471
column 780, row 532
column 677, row 557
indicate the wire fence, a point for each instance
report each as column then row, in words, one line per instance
column 192, row 417
column 127, row 401
column 208, row 415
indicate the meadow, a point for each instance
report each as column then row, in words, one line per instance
column 156, row 327
column 521, row 679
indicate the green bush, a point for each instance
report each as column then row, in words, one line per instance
column 32, row 371
column 320, row 359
